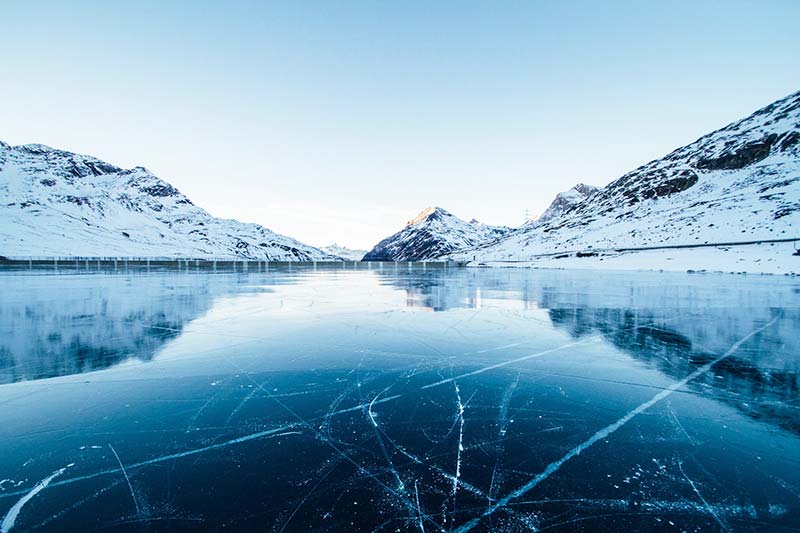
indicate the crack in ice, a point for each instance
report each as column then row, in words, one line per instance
column 512, row 361
column 460, row 407
column 608, row 430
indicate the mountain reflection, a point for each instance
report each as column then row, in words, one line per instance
column 674, row 323
column 87, row 323
column 743, row 380
column 61, row 325
column 55, row 324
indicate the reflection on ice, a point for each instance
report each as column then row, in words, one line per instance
column 330, row 399
column 85, row 323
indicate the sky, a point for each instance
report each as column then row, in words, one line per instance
column 336, row 121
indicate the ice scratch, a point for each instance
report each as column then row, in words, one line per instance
column 371, row 415
column 127, row 479
column 512, row 361
column 678, row 422
column 503, row 347
column 330, row 469
column 361, row 406
column 197, row 414
column 77, row 504
column 419, row 509
column 502, row 423
column 400, row 495
column 241, row 404
column 447, row 475
column 460, row 448
column 608, row 430
column 710, row 509
column 170, row 457
column 11, row 516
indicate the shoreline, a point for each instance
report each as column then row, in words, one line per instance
column 775, row 258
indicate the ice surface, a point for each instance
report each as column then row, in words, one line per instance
column 397, row 398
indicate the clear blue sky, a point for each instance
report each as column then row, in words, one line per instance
column 338, row 121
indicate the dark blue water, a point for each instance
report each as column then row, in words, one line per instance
column 398, row 400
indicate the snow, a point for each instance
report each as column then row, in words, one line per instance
column 433, row 233
column 57, row 203
column 344, row 252
column 769, row 258
column 738, row 184
column 565, row 201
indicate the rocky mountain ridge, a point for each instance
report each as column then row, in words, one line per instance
column 738, row 183
column 434, row 233
column 564, row 201
column 58, row 203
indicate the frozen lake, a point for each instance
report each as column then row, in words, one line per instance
column 398, row 400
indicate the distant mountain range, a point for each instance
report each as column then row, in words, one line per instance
column 433, row 233
column 436, row 233
column 57, row 203
column 343, row 252
column 738, row 184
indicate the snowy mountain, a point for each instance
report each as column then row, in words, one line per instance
column 431, row 234
column 343, row 252
column 739, row 183
column 57, row 203
column 564, row 201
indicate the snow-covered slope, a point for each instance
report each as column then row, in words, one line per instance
column 56, row 203
column 433, row 233
column 564, row 201
column 739, row 183
column 344, row 252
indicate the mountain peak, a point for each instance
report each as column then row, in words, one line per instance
column 434, row 233
column 584, row 189
column 344, row 252
column 564, row 201
column 428, row 214
column 36, row 148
